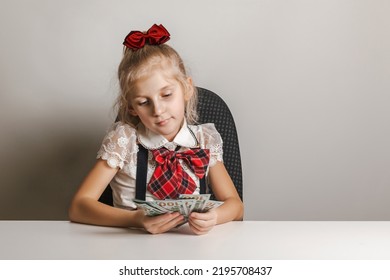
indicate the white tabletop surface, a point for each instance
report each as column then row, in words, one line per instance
column 234, row 240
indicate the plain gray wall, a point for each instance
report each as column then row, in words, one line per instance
column 307, row 82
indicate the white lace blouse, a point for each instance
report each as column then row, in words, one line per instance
column 119, row 149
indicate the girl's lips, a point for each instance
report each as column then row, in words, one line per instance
column 163, row 122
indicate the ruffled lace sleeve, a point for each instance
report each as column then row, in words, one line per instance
column 119, row 145
column 210, row 138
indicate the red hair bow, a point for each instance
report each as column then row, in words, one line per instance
column 156, row 35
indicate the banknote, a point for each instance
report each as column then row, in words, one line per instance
column 149, row 210
column 185, row 205
column 172, row 205
column 200, row 200
column 153, row 204
column 210, row 204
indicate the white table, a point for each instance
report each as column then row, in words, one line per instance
column 235, row 240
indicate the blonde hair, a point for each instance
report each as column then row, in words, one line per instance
column 136, row 64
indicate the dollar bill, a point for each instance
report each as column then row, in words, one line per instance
column 153, row 204
column 150, row 210
column 171, row 205
column 185, row 205
column 210, row 205
column 200, row 200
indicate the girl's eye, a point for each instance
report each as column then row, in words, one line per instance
column 167, row 94
column 141, row 103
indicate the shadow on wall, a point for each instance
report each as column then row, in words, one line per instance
column 41, row 171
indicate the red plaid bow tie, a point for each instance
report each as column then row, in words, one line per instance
column 169, row 179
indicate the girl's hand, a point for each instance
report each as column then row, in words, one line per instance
column 161, row 223
column 202, row 223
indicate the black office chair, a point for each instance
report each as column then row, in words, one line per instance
column 212, row 109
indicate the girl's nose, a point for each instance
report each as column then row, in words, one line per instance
column 158, row 108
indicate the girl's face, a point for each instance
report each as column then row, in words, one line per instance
column 159, row 103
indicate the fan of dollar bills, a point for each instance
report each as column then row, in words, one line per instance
column 186, row 204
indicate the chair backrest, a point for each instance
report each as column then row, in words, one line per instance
column 212, row 109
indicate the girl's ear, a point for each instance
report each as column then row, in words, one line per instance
column 190, row 86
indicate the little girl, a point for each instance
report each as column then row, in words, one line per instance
column 157, row 111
